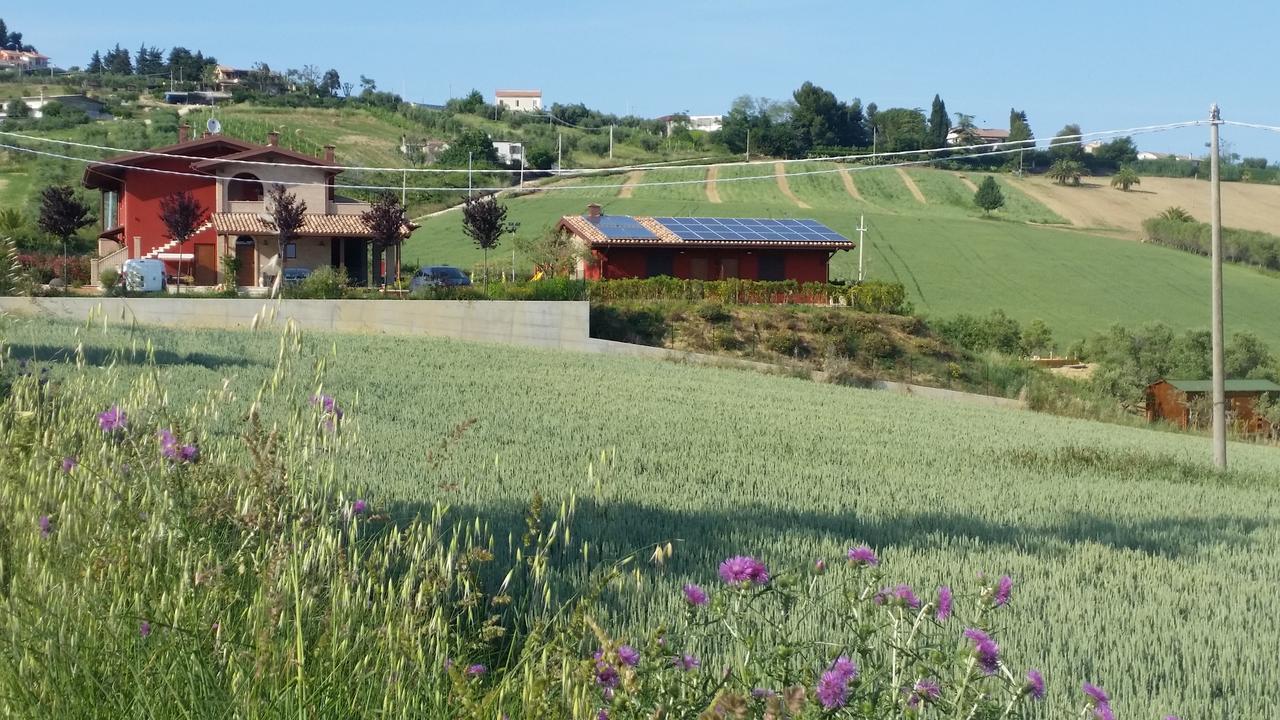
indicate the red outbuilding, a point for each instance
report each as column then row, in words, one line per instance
column 623, row 246
column 1176, row 401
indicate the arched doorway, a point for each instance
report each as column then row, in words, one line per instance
column 246, row 257
column 245, row 187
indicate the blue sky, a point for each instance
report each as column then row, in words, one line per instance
column 1104, row 65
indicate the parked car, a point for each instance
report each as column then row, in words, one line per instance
column 439, row 276
column 144, row 275
column 295, row 275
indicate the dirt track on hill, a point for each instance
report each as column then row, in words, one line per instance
column 847, row 178
column 1095, row 204
column 713, row 190
column 911, row 185
column 964, row 179
column 629, row 184
column 780, row 172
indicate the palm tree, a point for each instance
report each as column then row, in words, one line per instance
column 1066, row 171
column 1176, row 213
column 1125, row 178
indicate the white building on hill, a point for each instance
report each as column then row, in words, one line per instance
column 519, row 100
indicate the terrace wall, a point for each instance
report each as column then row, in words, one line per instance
column 563, row 325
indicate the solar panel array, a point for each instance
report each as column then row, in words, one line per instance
column 622, row 226
column 751, row 229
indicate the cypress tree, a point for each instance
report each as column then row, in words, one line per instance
column 939, row 123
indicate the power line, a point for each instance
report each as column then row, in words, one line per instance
column 661, row 183
column 1022, row 146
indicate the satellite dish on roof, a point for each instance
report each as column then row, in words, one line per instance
column 213, row 126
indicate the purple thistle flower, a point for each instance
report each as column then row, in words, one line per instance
column 743, row 570
column 844, row 667
column 944, row 604
column 189, row 453
column 1103, row 712
column 628, row 655
column 1003, row 589
column 686, row 662
column 1035, row 685
column 606, row 676
column 928, row 688
column 762, row 693
column 695, row 595
column 328, row 404
column 833, row 686
column 602, row 715
column 46, row 526
column 144, row 629
column 820, row 567
column 477, row 670
column 358, row 507
column 1172, row 717
column 168, row 444
column 863, row 556
column 69, row 463
column 1097, row 696
column 985, row 650
column 902, row 595
column 113, row 420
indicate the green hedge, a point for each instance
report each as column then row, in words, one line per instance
column 1240, row 246
column 874, row 297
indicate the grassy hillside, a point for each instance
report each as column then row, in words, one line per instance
column 1134, row 566
column 950, row 258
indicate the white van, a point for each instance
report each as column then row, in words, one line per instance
column 143, row 275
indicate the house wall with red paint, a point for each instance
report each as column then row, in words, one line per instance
column 705, row 263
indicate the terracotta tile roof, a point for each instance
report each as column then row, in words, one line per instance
column 313, row 225
column 583, row 228
column 518, row 93
column 658, row 229
column 269, row 153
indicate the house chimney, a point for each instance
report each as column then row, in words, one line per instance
column 593, row 211
column 273, row 138
column 329, row 157
column 184, row 132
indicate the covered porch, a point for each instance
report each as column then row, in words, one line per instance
column 342, row 242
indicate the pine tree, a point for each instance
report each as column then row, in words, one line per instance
column 988, row 196
column 95, row 63
column 939, row 123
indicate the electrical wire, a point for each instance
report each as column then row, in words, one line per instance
column 1256, row 126
column 616, row 169
column 661, row 183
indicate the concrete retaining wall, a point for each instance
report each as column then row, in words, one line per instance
column 563, row 325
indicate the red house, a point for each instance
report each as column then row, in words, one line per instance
column 1175, row 401
column 229, row 178
column 622, row 246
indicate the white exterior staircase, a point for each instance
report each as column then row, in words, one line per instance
column 167, row 248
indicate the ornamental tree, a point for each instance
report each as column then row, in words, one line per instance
column 1125, row 178
column 484, row 220
column 288, row 213
column 988, row 196
column 62, row 215
column 387, row 220
column 182, row 214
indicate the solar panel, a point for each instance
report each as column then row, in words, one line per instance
column 622, row 226
column 750, row 229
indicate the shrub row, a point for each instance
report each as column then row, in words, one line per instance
column 1241, row 246
column 873, row 297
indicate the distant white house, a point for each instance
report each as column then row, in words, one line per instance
column 93, row 108
column 519, row 100
column 1092, row 147
column 704, row 123
column 21, row 60
column 977, row 136
column 509, row 152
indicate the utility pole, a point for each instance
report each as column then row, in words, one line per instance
column 559, row 146
column 469, row 185
column 874, row 159
column 521, row 176
column 1215, row 214
column 862, row 234
column 748, row 145
column 404, row 189
column 610, row 142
